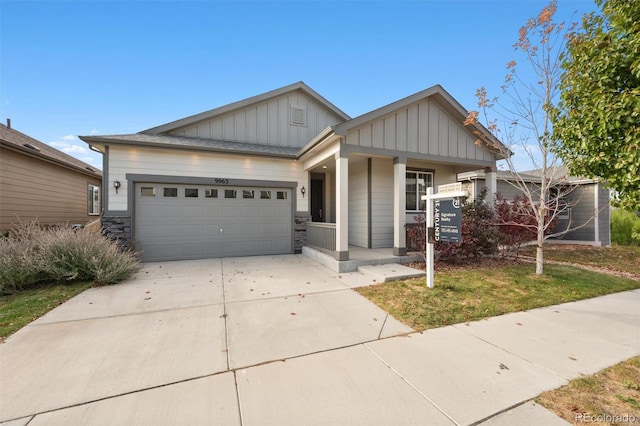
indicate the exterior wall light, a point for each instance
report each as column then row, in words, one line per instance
column 116, row 185
column 303, row 190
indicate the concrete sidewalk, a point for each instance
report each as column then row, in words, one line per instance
column 284, row 341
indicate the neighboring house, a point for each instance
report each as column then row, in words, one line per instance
column 39, row 182
column 586, row 215
column 284, row 169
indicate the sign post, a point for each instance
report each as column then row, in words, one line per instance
column 448, row 217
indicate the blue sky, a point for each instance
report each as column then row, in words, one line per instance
column 71, row 68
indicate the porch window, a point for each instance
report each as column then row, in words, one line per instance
column 416, row 186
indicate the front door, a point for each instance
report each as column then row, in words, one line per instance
column 317, row 200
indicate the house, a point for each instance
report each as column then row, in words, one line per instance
column 585, row 202
column 282, row 170
column 39, row 182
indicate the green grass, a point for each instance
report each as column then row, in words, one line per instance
column 19, row 309
column 467, row 294
column 616, row 257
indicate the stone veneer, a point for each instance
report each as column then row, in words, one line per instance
column 118, row 228
column 300, row 231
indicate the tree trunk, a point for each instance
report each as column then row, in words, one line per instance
column 539, row 251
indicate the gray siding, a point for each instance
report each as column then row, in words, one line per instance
column 604, row 218
column 358, row 204
column 382, row 203
column 423, row 128
column 581, row 213
column 267, row 123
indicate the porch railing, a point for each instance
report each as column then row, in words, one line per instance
column 322, row 236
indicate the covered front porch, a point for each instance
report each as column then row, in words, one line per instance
column 367, row 175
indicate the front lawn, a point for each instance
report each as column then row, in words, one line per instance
column 611, row 396
column 469, row 293
column 617, row 258
column 19, row 309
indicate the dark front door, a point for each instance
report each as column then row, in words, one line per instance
column 317, row 200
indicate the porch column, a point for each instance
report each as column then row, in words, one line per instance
column 399, row 206
column 491, row 182
column 342, row 207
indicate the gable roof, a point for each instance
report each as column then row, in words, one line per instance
column 24, row 144
column 244, row 103
column 437, row 93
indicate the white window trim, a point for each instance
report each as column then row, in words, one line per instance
column 93, row 200
column 427, row 172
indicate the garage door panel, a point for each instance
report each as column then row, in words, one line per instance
column 189, row 228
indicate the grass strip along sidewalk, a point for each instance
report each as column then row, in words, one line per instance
column 470, row 293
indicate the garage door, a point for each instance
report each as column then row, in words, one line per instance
column 175, row 222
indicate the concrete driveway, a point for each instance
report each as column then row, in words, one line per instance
column 284, row 341
column 175, row 334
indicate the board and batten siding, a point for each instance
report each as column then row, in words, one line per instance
column 167, row 162
column 582, row 212
column 358, row 203
column 34, row 189
column 422, row 128
column 267, row 123
column 381, row 202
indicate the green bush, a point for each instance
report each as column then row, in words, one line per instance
column 31, row 255
column 625, row 227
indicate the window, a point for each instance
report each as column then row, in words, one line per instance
column 281, row 195
column 94, row 200
column 247, row 193
column 191, row 192
column 230, row 193
column 169, row 192
column 147, row 191
column 265, row 195
column 416, row 186
column 210, row 193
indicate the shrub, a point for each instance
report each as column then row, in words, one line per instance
column 625, row 227
column 479, row 236
column 517, row 223
column 32, row 255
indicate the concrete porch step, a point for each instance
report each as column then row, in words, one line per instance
column 390, row 272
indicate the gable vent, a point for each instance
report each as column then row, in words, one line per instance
column 298, row 116
column 33, row 147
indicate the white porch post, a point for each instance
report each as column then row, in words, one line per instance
column 491, row 182
column 342, row 207
column 399, row 206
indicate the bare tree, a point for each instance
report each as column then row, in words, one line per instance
column 522, row 119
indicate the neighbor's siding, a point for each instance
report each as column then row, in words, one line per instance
column 604, row 219
column 424, row 128
column 582, row 212
column 267, row 123
column 382, row 203
column 358, row 206
column 154, row 161
column 35, row 189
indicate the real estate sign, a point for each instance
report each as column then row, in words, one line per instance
column 447, row 220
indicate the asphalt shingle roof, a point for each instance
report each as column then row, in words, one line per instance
column 35, row 147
